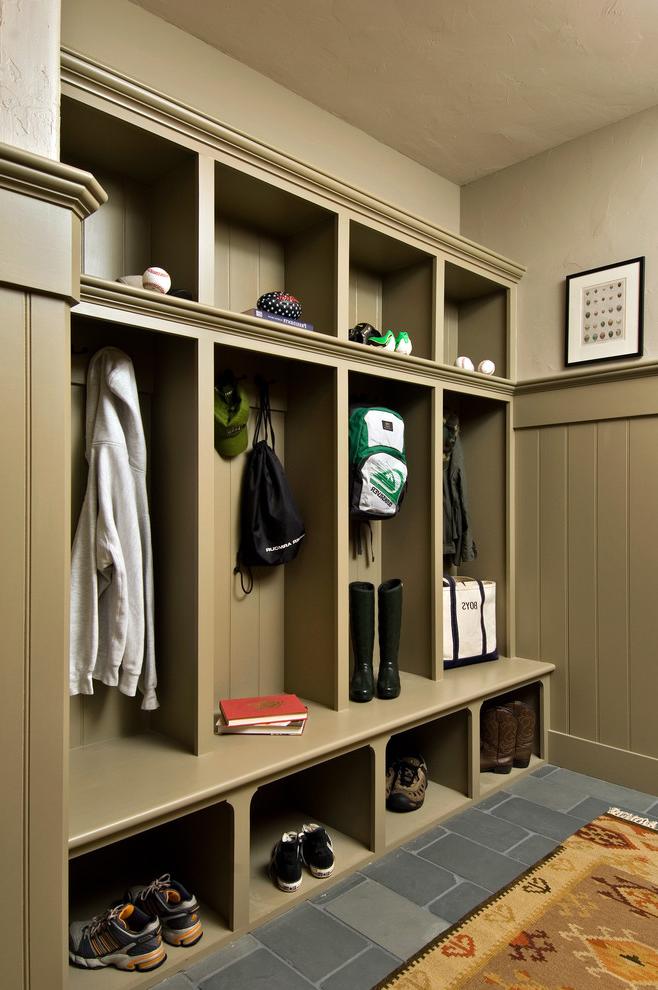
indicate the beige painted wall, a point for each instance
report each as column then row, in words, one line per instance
column 590, row 202
column 29, row 75
column 136, row 43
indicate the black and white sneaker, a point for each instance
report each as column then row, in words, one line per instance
column 177, row 909
column 317, row 850
column 286, row 863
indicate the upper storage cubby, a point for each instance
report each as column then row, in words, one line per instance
column 475, row 318
column 392, row 286
column 165, row 368
column 402, row 547
column 150, row 217
column 267, row 239
column 281, row 636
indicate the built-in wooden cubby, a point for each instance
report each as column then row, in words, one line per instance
column 338, row 794
column 150, row 217
column 402, row 546
column 262, row 638
column 532, row 695
column 166, row 374
column 392, row 286
column 484, row 432
column 268, row 239
column 230, row 219
column 476, row 322
column 196, row 849
column 444, row 743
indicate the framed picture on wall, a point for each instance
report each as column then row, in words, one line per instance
column 605, row 313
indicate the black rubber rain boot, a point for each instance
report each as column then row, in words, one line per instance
column 362, row 625
column 390, row 623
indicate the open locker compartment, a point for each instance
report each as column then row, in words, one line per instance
column 268, row 239
column 402, row 547
column 195, row 849
column 444, row 744
column 392, row 286
column 282, row 636
column 533, row 696
column 337, row 794
column 483, row 430
column 166, row 375
column 475, row 318
column 150, row 218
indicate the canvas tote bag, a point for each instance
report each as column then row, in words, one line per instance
column 469, row 621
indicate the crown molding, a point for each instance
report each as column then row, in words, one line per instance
column 50, row 181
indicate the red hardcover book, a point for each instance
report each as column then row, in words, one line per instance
column 267, row 708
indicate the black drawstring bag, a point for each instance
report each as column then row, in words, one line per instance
column 271, row 528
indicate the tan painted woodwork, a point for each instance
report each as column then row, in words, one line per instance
column 232, row 219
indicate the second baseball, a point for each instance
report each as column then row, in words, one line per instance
column 486, row 367
column 157, row 280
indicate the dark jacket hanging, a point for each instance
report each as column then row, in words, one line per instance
column 458, row 543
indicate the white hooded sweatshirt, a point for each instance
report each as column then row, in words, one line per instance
column 112, row 563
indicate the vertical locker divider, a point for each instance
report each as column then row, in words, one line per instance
column 436, row 668
column 343, row 276
column 206, row 648
column 205, row 211
column 342, row 539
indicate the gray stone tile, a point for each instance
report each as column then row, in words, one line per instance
column 224, row 957
column 544, row 771
column 363, row 972
column 311, row 941
column 491, row 802
column 387, row 919
column 472, row 861
column 424, row 840
column 532, row 849
column 338, row 888
column 653, row 810
column 459, row 901
column 258, row 969
column 487, row 830
column 551, row 793
column 177, row 982
column 589, row 809
column 410, row 876
column 537, row 818
column 621, row 797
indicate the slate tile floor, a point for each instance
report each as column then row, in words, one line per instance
column 357, row 932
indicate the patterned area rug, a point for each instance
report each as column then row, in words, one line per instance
column 585, row 917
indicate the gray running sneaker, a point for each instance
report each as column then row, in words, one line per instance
column 123, row 937
column 177, row 909
column 406, row 784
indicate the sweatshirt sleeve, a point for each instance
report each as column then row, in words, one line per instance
column 83, row 648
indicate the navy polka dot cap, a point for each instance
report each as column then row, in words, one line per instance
column 280, row 304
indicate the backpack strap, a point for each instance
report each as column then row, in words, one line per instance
column 264, row 420
column 238, row 569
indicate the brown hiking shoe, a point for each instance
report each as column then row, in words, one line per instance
column 406, row 783
column 497, row 739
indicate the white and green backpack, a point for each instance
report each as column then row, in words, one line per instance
column 378, row 464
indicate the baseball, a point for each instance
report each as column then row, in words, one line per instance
column 486, row 367
column 465, row 363
column 157, row 280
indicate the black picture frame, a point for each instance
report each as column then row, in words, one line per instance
column 575, row 351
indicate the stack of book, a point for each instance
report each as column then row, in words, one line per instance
column 267, row 715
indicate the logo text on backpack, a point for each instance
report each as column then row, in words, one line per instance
column 391, row 480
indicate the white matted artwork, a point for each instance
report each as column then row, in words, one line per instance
column 604, row 314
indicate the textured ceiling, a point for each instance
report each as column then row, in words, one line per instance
column 465, row 87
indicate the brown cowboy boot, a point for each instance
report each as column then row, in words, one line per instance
column 525, row 731
column 497, row 740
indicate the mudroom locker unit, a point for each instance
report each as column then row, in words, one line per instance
column 146, row 178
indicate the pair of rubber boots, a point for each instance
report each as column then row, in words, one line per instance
column 507, row 735
column 362, row 625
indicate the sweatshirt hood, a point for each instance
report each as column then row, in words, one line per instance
column 113, row 413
